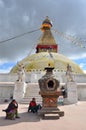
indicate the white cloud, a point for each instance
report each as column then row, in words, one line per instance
column 85, row 71
column 5, row 70
column 79, row 56
column 2, row 61
column 82, row 65
column 1, row 3
column 26, row 18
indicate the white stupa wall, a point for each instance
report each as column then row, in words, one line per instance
column 7, row 82
column 6, row 91
column 72, row 95
column 34, row 76
column 19, row 91
column 8, row 77
column 80, row 78
column 81, row 88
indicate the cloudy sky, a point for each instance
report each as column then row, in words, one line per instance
column 21, row 16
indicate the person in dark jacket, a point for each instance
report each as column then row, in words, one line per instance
column 12, row 110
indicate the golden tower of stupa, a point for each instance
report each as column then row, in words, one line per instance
column 46, row 53
column 47, row 41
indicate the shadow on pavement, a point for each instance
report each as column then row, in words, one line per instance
column 24, row 117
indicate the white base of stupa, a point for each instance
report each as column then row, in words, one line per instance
column 19, row 91
column 72, row 96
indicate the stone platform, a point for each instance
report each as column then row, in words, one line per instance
column 53, row 113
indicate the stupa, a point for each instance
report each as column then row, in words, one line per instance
column 47, row 53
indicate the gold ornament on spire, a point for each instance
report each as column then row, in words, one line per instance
column 46, row 25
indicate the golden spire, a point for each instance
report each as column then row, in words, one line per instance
column 46, row 25
column 47, row 41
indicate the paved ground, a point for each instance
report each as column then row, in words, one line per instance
column 74, row 119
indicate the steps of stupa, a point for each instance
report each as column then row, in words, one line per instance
column 26, row 100
column 32, row 90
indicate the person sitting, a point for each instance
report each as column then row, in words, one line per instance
column 33, row 107
column 64, row 93
column 12, row 110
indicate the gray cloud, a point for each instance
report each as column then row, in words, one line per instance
column 19, row 16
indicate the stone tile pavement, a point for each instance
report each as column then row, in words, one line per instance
column 74, row 119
